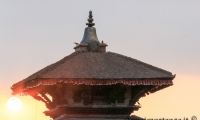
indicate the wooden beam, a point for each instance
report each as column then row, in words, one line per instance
column 45, row 97
column 141, row 91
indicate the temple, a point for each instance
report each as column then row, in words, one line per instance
column 92, row 83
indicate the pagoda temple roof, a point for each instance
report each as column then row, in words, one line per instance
column 100, row 65
column 90, row 64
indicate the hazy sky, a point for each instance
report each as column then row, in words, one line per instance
column 34, row 34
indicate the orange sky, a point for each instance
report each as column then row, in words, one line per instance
column 165, row 34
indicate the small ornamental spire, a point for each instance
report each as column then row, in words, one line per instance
column 90, row 19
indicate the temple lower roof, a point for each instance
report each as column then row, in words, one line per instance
column 100, row 65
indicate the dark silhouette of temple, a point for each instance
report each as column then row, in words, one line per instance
column 93, row 84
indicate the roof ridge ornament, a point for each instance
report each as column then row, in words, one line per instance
column 90, row 20
column 90, row 42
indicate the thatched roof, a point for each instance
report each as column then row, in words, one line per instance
column 96, row 68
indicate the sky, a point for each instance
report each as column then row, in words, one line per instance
column 34, row 34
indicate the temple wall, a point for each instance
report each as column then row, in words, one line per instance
column 69, row 96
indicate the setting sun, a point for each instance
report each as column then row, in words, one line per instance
column 14, row 104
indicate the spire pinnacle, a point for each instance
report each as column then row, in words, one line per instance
column 90, row 20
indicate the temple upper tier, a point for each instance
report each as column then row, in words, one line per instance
column 93, row 83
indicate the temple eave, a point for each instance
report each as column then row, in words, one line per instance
column 35, row 83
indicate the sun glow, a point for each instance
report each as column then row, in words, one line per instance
column 14, row 104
